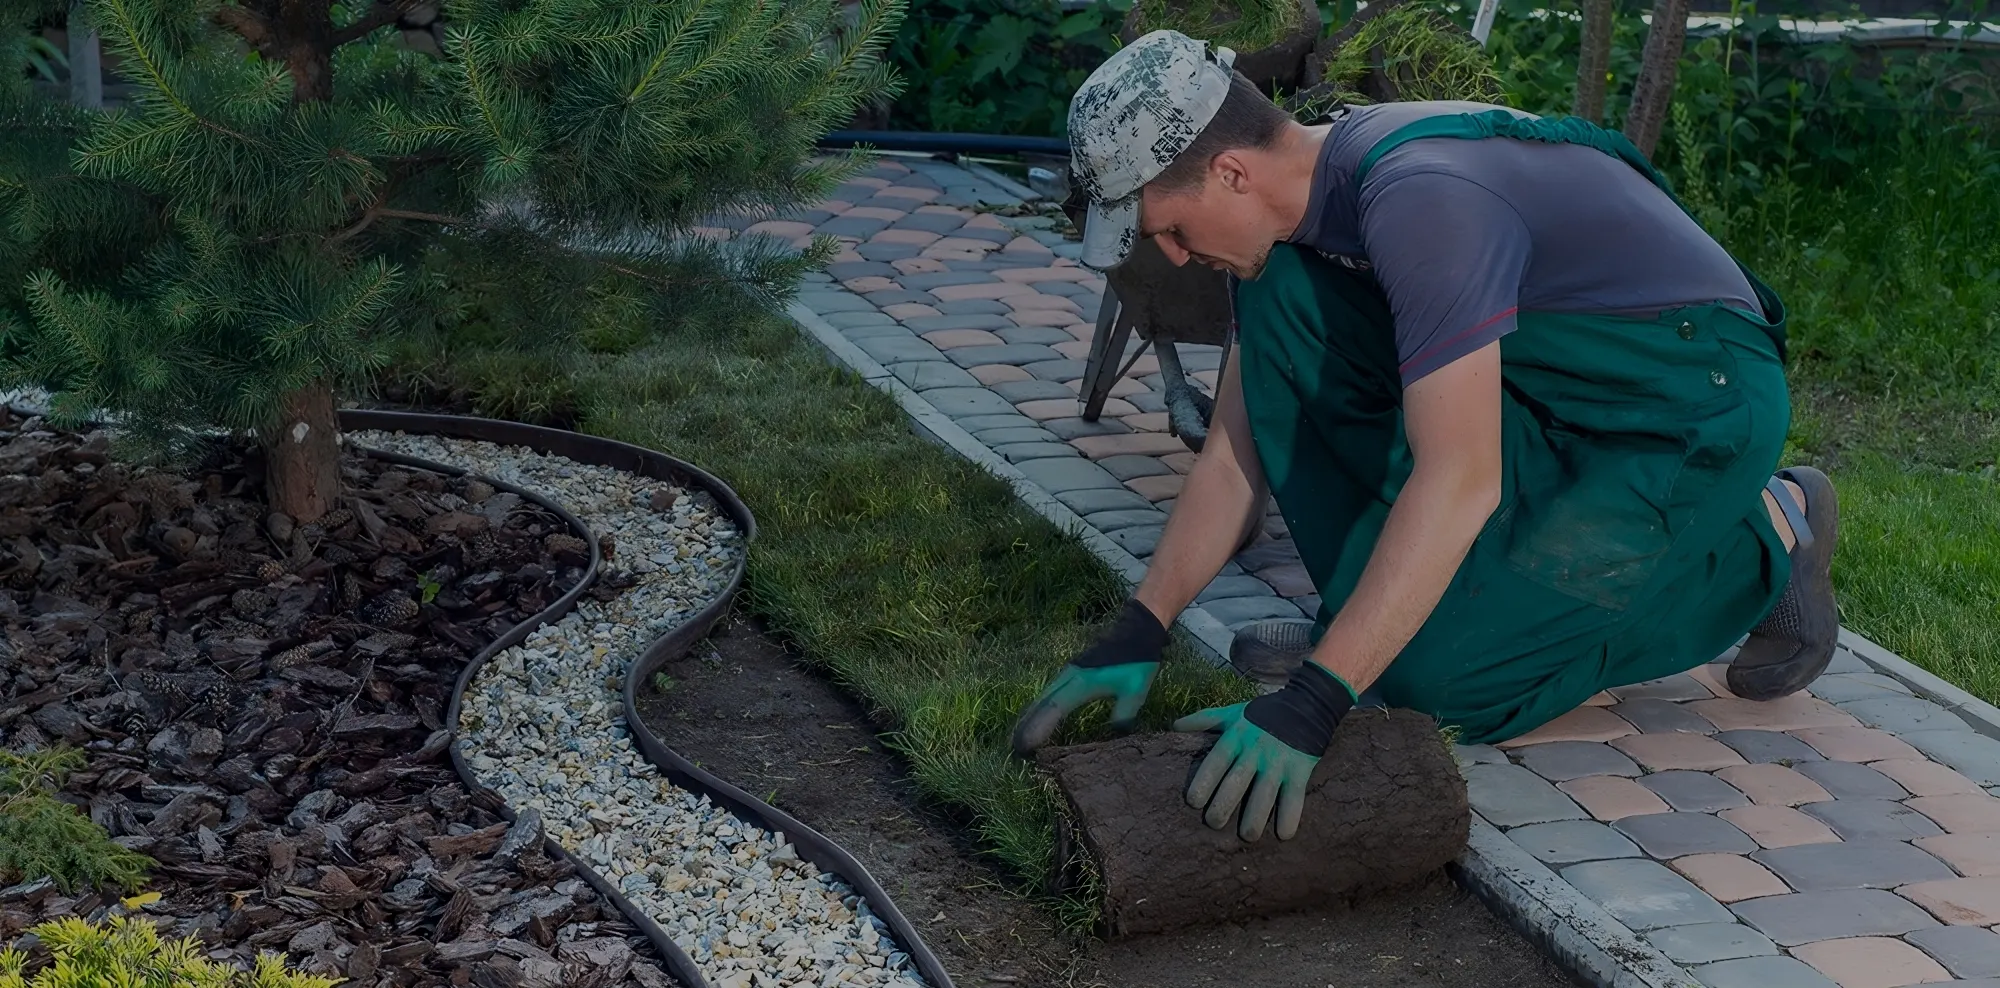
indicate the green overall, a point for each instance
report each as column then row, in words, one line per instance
column 1631, row 541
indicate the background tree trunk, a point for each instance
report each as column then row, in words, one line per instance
column 303, row 452
column 1593, row 61
column 1386, row 808
column 1653, row 94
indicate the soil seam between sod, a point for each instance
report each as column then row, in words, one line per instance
column 1579, row 934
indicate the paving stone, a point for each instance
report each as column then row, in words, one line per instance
column 1060, row 476
column 1769, row 747
column 932, row 324
column 1694, row 792
column 1069, row 406
column 1965, row 951
column 971, row 307
column 1022, row 452
column 849, row 320
column 1903, row 714
column 1611, row 797
column 938, row 279
column 1657, row 716
column 1111, row 521
column 1045, row 335
column 1477, row 754
column 1007, row 353
column 929, row 375
column 967, row 401
column 1975, row 756
column 1225, row 587
column 1783, row 714
column 1089, row 501
column 859, row 333
column 1846, row 688
column 938, row 223
column 859, row 227
column 980, row 425
column 1706, row 943
column 1960, row 813
column 827, row 303
column 1671, row 835
column 1644, row 895
column 898, row 350
column 1512, row 796
column 1773, row 785
column 1762, row 972
column 992, row 374
column 1309, row 604
column 1856, row 744
column 1078, row 428
column 1065, row 369
column 1126, row 467
column 902, row 303
column 1847, row 780
column 1031, row 390
column 1665, row 752
column 1872, row 819
column 1139, row 541
column 1233, row 611
column 848, row 270
column 1561, row 761
column 1958, row 901
column 1845, row 661
column 1729, row 877
column 1580, row 724
column 1779, row 826
column 1804, row 917
column 1871, row 962
column 1146, row 444
column 1859, row 864
column 1567, row 842
column 1923, row 777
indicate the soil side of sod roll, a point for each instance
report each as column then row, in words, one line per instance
column 1385, row 808
column 749, row 710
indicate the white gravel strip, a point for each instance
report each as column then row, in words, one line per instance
column 543, row 724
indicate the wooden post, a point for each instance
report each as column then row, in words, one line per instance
column 86, row 67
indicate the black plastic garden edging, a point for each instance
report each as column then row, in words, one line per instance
column 597, row 451
column 923, row 140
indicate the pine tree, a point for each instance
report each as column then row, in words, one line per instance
column 241, row 243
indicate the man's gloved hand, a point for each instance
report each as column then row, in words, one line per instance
column 1119, row 666
column 1269, row 747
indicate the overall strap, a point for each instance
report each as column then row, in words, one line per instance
column 1561, row 130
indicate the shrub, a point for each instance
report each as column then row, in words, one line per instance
column 128, row 952
column 44, row 837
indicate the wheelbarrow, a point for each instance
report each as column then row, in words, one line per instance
column 1162, row 305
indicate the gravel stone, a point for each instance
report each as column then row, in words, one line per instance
column 543, row 724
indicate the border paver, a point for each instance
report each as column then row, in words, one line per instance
column 1858, row 844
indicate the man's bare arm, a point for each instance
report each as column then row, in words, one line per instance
column 1223, row 496
column 1452, row 419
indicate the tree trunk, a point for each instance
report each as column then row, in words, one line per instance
column 303, row 451
column 1653, row 94
column 1386, row 809
column 1593, row 61
column 302, row 455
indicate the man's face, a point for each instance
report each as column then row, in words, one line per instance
column 1216, row 225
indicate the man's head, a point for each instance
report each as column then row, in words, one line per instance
column 1170, row 142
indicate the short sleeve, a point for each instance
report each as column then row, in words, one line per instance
column 1450, row 255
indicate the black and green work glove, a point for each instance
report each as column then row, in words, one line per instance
column 1269, row 747
column 1119, row 666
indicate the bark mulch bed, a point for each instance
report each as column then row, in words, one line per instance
column 262, row 706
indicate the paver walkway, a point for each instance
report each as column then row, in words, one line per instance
column 1848, row 837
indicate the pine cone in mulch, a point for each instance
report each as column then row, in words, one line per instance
column 271, row 571
column 288, row 658
column 337, row 518
column 392, row 608
column 607, row 546
column 482, row 549
column 338, row 555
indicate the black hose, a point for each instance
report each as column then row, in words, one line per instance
column 919, row 140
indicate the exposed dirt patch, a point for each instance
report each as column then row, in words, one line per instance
column 260, row 708
column 745, row 709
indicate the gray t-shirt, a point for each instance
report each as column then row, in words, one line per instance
column 1463, row 234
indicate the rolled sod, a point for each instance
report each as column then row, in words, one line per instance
column 1386, row 810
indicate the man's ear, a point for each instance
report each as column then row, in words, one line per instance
column 1230, row 170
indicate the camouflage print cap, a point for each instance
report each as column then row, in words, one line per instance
column 1127, row 122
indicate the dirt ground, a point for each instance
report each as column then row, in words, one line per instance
column 744, row 709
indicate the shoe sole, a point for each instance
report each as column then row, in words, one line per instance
column 1770, row 666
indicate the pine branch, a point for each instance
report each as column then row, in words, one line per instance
column 382, row 14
